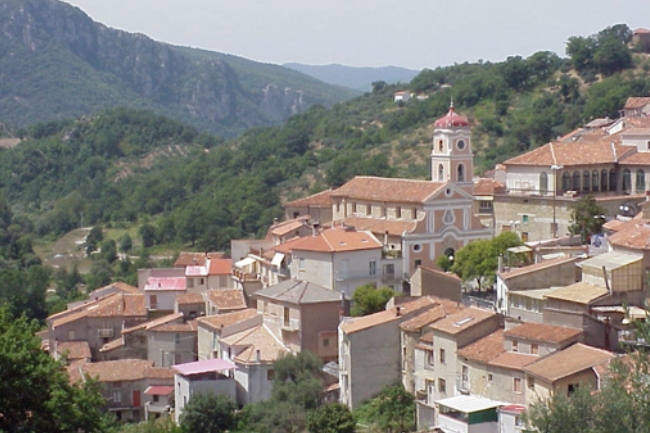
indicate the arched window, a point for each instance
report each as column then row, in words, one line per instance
column 440, row 145
column 603, row 180
column 640, row 181
column 612, row 180
column 627, row 181
column 566, row 182
column 441, row 173
column 594, row 180
column 586, row 178
column 543, row 183
column 576, row 181
column 461, row 172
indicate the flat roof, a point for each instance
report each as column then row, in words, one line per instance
column 198, row 367
column 469, row 403
column 612, row 260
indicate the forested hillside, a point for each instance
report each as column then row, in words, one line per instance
column 57, row 63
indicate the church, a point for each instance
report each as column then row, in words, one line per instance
column 416, row 220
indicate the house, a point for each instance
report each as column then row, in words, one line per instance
column 190, row 258
column 213, row 376
column 253, row 351
column 214, row 274
column 468, row 414
column 97, row 322
column 402, row 96
column 123, row 383
column 369, row 350
column 224, row 301
column 191, row 305
column 565, row 370
column 317, row 206
column 71, row 351
column 161, row 286
column 641, row 39
column 158, row 401
column 303, row 315
column 511, row 418
column 116, row 287
column 428, row 281
column 212, row 328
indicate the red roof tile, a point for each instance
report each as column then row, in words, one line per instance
column 165, row 284
column 484, row 349
column 227, row 299
column 487, row 187
column 574, row 154
column 217, row 321
column 220, row 267
column 543, row 332
column 389, row 190
column 337, row 240
column 322, row 199
column 516, row 272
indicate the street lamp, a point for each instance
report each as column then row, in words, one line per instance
column 554, row 169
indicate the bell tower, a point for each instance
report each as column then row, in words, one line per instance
column 451, row 156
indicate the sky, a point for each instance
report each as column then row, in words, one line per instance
column 414, row 34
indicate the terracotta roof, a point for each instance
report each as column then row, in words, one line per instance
column 569, row 361
column 115, row 305
column 380, row 226
column 451, row 120
column 543, row 332
column 355, row 324
column 465, row 319
column 389, row 190
column 641, row 30
column 634, row 234
column 427, row 337
column 189, row 326
column 579, row 293
column 423, row 319
column 322, row 199
column 186, row 258
column 122, row 287
column 639, row 158
column 484, row 349
column 485, row 186
column 254, row 339
column 74, row 349
column 227, row 299
column 636, row 102
column 283, row 228
column 217, row 321
column 189, row 298
column 173, row 317
column 513, row 360
column 286, row 247
column 337, row 240
column 298, row 292
column 159, row 390
column 125, row 370
column 165, row 284
column 573, row 154
column 516, row 272
column 113, row 345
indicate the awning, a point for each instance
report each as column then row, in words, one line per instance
column 277, row 259
column 247, row 261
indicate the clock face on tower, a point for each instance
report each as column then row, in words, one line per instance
column 460, row 144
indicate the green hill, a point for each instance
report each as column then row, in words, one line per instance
column 57, row 63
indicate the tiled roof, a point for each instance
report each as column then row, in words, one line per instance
column 612, row 260
column 516, row 272
column 220, row 267
column 165, row 284
column 512, row 360
column 389, row 190
column 256, row 339
column 322, row 199
column 125, row 370
column 189, row 326
column 543, row 332
column 283, row 228
column 189, row 298
column 355, row 324
column 485, row 186
column 641, row 30
column 197, row 259
column 443, row 274
column 74, row 349
column 380, row 226
column 113, row 345
column 122, row 287
column 423, row 319
column 484, row 349
column 465, row 319
column 169, row 318
column 217, row 321
column 634, row 234
column 115, row 305
column 299, row 292
column 569, row 361
column 159, row 390
column 227, row 299
column 639, row 158
column 573, row 153
column 337, row 240
column 579, row 293
column 636, row 102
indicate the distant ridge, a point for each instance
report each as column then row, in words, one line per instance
column 357, row 78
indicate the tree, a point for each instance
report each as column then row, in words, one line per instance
column 392, row 410
column 331, row 418
column 479, row 259
column 126, row 243
column 587, row 218
column 369, row 299
column 148, row 233
column 208, row 413
column 95, row 236
column 35, row 392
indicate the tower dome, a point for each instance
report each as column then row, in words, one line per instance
column 451, row 120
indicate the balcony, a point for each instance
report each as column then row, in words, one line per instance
column 632, row 337
column 245, row 276
column 462, row 385
column 105, row 332
column 291, row 325
column 391, row 254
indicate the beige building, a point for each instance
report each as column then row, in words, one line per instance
column 212, row 328
column 433, row 282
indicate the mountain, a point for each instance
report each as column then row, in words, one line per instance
column 359, row 78
column 55, row 63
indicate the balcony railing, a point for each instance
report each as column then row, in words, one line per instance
column 291, row 325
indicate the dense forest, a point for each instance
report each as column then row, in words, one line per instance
column 186, row 189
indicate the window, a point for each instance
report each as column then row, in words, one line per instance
column 201, row 281
column 441, row 173
column 612, row 180
column 177, row 339
column 566, row 181
column 430, row 357
column 354, row 207
column 442, row 356
column 442, row 386
column 640, row 181
column 627, row 181
column 534, row 349
column 516, row 384
column 301, row 264
column 531, row 382
column 490, row 377
column 117, row 396
column 373, row 267
column 576, row 181
column 543, row 183
column 460, row 144
column 485, row 205
column 461, row 173
column 417, row 248
column 398, row 212
column 155, row 399
column 515, row 346
column 326, row 342
column 573, row 387
column 594, row 181
column 190, row 283
column 586, row 181
column 338, row 206
column 603, row 180
column 440, row 145
column 414, row 213
column 417, row 263
column 524, row 219
column 153, row 302
column 368, row 209
column 270, row 375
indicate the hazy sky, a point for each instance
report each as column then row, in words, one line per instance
column 410, row 33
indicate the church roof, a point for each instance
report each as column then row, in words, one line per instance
column 388, row 189
column 451, row 120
